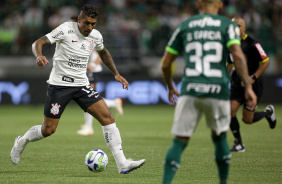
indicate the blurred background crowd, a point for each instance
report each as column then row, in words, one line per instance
column 133, row 29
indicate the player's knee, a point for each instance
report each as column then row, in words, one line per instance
column 47, row 131
column 111, row 118
column 108, row 119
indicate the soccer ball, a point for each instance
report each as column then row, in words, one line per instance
column 96, row 160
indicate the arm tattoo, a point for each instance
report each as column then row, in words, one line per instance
column 45, row 40
column 108, row 60
column 38, row 44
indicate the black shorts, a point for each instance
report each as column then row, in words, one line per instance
column 58, row 98
column 238, row 91
column 94, row 77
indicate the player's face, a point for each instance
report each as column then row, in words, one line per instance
column 241, row 25
column 86, row 24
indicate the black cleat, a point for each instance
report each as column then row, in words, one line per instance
column 237, row 147
column 271, row 118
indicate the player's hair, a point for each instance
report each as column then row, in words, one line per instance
column 90, row 11
column 74, row 18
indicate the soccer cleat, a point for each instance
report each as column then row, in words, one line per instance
column 16, row 151
column 130, row 165
column 85, row 130
column 119, row 108
column 271, row 118
column 237, row 147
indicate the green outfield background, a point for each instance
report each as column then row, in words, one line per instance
column 145, row 132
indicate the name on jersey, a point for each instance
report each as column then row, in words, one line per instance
column 204, row 34
column 204, row 88
column 207, row 21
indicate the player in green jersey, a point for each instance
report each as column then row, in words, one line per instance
column 204, row 40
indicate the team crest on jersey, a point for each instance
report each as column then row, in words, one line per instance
column 55, row 109
column 91, row 45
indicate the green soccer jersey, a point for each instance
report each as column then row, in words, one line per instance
column 205, row 40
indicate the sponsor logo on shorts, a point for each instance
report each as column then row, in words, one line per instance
column 204, row 88
column 55, row 109
column 67, row 79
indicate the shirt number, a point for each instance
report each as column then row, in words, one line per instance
column 202, row 62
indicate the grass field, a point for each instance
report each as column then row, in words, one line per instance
column 145, row 131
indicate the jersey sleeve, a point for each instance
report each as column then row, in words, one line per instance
column 99, row 44
column 174, row 45
column 233, row 34
column 260, row 53
column 57, row 34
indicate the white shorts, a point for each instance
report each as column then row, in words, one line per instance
column 189, row 110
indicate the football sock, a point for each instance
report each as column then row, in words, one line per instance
column 235, row 128
column 172, row 160
column 259, row 115
column 32, row 135
column 88, row 119
column 222, row 157
column 110, row 103
column 113, row 140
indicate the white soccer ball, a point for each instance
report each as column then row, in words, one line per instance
column 96, row 160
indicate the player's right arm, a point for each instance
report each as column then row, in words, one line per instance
column 168, row 58
column 241, row 68
column 41, row 60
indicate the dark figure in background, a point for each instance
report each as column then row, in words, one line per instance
column 257, row 62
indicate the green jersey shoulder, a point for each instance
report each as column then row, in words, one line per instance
column 205, row 40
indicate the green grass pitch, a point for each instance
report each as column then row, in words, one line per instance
column 145, row 132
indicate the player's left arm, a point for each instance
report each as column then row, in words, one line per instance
column 262, row 67
column 109, row 62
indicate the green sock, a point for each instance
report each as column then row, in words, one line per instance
column 222, row 157
column 172, row 160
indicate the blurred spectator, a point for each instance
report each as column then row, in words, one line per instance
column 132, row 28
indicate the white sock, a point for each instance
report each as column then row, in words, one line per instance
column 110, row 103
column 32, row 135
column 88, row 119
column 113, row 140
